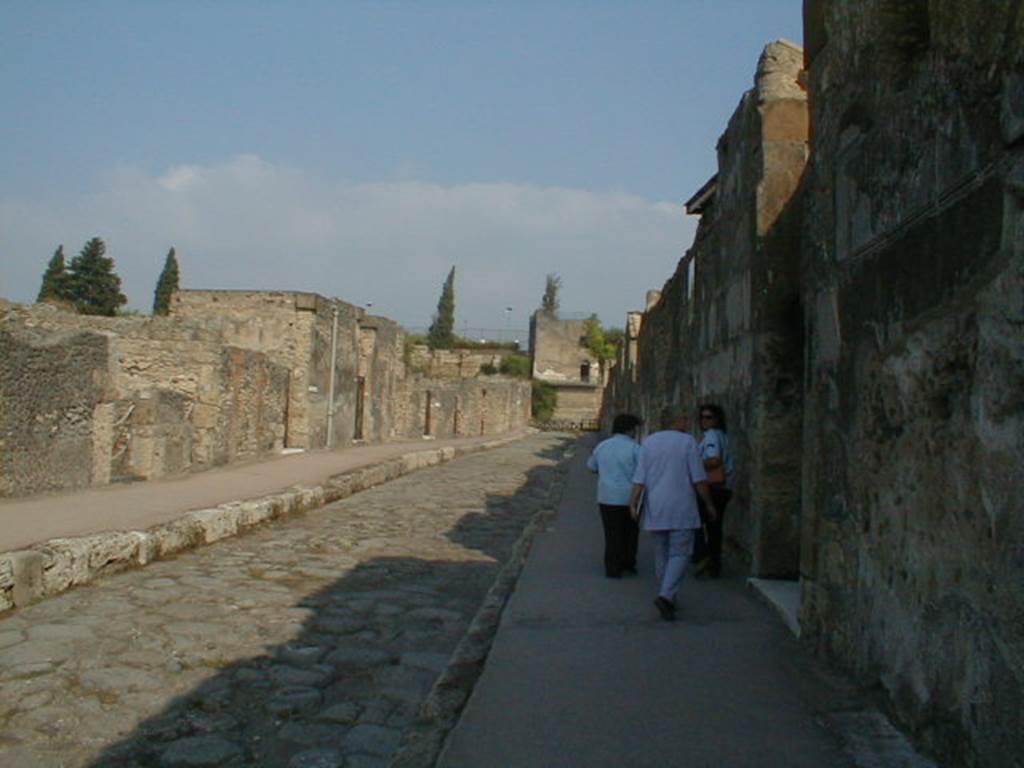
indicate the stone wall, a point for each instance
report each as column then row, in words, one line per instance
column 228, row 375
column 162, row 397
column 862, row 326
column 48, row 409
column 557, row 353
column 294, row 330
column 467, row 407
column 452, row 363
column 726, row 326
column 913, row 540
column 382, row 368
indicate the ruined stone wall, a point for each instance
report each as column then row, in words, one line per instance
column 578, row 406
column 556, row 349
column 295, row 330
column 913, row 540
column 174, row 397
column 452, row 363
column 383, row 369
column 467, row 407
column 726, row 326
column 52, row 412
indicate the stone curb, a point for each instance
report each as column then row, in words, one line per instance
column 49, row 568
column 423, row 743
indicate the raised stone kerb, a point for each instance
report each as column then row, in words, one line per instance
column 57, row 565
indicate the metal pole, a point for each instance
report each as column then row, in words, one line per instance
column 330, row 386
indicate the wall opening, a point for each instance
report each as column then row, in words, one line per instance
column 357, row 433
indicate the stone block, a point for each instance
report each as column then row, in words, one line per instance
column 204, row 416
column 27, row 576
column 176, row 536
column 215, row 523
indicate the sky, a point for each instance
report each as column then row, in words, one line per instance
column 362, row 149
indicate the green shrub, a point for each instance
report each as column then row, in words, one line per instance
column 516, row 365
column 543, row 401
column 488, row 369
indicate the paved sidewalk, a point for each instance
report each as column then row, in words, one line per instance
column 24, row 522
column 583, row 672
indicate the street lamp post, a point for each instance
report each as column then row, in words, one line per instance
column 508, row 316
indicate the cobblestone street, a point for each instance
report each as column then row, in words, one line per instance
column 308, row 643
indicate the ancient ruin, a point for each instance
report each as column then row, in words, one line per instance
column 228, row 375
column 854, row 299
column 561, row 361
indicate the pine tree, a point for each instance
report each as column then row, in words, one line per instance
column 549, row 302
column 93, row 285
column 441, row 334
column 166, row 285
column 55, row 278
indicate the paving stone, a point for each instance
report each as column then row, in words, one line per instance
column 201, row 752
column 345, row 713
column 311, row 734
column 35, row 653
column 367, row 761
column 202, row 661
column 294, row 701
column 435, row 662
column 360, row 658
column 283, row 675
column 10, row 638
column 120, row 679
column 373, row 740
column 317, row 758
column 301, row 655
column 434, row 614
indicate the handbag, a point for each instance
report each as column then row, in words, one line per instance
column 716, row 475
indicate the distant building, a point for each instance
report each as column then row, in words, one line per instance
column 561, row 360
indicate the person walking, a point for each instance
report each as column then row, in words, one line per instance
column 669, row 475
column 614, row 461
column 721, row 471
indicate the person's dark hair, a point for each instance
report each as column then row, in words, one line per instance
column 625, row 422
column 718, row 412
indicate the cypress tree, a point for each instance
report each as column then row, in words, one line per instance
column 441, row 334
column 549, row 302
column 93, row 285
column 166, row 285
column 55, row 278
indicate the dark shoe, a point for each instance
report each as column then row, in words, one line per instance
column 613, row 575
column 630, row 569
column 665, row 608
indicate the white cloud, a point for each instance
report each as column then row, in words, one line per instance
column 247, row 223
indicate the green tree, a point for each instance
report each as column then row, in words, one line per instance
column 93, row 285
column 549, row 302
column 166, row 285
column 442, row 331
column 602, row 344
column 55, row 278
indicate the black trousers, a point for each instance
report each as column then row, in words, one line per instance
column 621, row 534
column 711, row 548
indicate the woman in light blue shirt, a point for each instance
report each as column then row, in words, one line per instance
column 614, row 461
column 714, row 450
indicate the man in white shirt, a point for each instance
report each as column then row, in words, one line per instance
column 669, row 474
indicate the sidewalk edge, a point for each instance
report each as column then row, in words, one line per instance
column 54, row 566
